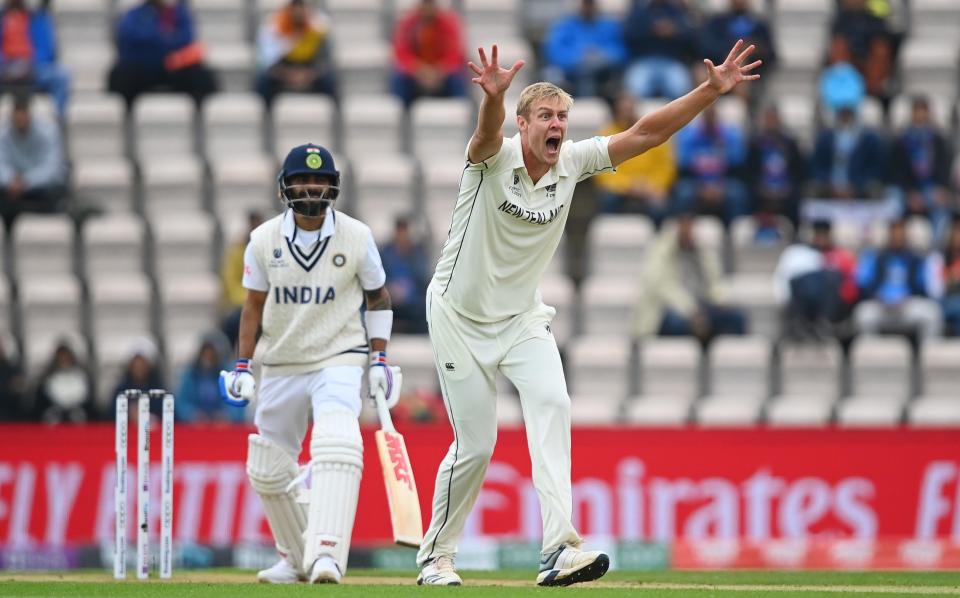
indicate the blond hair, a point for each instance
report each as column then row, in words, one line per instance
column 541, row 91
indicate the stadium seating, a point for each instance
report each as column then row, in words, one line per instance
column 169, row 187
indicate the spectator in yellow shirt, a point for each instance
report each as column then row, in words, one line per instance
column 232, row 293
column 642, row 184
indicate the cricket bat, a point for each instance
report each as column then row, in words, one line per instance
column 398, row 479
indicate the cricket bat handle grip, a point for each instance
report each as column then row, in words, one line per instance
column 386, row 422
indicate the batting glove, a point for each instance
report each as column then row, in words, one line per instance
column 238, row 387
column 384, row 377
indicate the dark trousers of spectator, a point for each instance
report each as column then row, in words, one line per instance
column 42, row 199
column 722, row 320
column 815, row 305
column 269, row 86
column 615, row 203
column 734, row 203
column 47, row 78
column 407, row 89
column 951, row 314
column 131, row 80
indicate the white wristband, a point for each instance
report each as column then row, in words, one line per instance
column 379, row 324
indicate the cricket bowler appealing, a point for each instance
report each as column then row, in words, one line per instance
column 306, row 272
column 484, row 307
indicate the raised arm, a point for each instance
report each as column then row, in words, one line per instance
column 488, row 136
column 656, row 127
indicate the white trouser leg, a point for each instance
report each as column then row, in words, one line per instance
column 534, row 367
column 336, row 451
column 470, row 398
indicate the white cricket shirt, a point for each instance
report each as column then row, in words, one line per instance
column 314, row 285
column 506, row 229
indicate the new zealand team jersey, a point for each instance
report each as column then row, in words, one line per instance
column 506, row 229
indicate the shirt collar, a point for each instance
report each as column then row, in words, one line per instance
column 552, row 175
column 289, row 225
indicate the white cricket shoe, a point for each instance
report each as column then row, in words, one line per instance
column 439, row 572
column 281, row 572
column 325, row 570
column 569, row 565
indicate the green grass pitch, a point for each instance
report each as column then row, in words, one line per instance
column 370, row 583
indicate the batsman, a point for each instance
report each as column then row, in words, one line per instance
column 307, row 271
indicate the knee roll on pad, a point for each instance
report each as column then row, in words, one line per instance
column 336, row 465
column 270, row 471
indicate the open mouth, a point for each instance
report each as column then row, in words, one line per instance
column 553, row 144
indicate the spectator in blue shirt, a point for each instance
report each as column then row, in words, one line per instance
column 584, row 52
column 28, row 52
column 157, row 50
column 920, row 168
column 408, row 272
column 711, row 155
column 848, row 160
column 899, row 288
column 776, row 169
column 198, row 398
column 660, row 37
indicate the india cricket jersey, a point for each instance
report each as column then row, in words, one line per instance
column 506, row 229
column 311, row 317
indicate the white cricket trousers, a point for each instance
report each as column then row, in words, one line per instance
column 284, row 403
column 468, row 355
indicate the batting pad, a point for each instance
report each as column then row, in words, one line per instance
column 336, row 465
column 270, row 471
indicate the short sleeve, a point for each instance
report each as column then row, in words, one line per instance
column 591, row 156
column 371, row 272
column 254, row 277
column 497, row 162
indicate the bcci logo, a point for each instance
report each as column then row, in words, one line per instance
column 277, row 253
column 314, row 160
column 516, row 179
column 339, row 260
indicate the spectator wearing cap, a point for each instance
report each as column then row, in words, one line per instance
column 584, row 52
column 682, row 292
column 920, row 168
column 294, row 53
column 428, row 54
column 408, row 273
column 157, row 50
column 849, row 159
column 899, row 288
column 28, row 52
column 32, row 167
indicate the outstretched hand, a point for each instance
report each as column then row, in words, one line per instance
column 728, row 75
column 490, row 77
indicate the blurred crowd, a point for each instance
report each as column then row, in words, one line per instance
column 718, row 167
